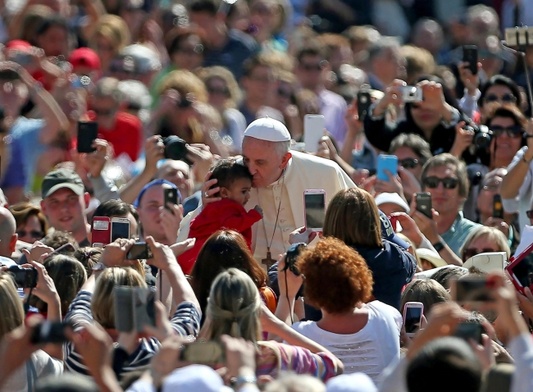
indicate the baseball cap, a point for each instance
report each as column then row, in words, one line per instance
column 18, row 44
column 268, row 129
column 61, row 178
column 393, row 198
column 136, row 59
column 85, row 57
column 387, row 232
column 159, row 181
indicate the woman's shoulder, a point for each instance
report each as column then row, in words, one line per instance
column 383, row 311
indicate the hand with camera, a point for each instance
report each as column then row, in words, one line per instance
column 428, row 226
column 433, row 96
column 464, row 137
column 290, row 280
column 114, row 254
column 38, row 250
column 154, row 151
column 409, row 227
column 393, row 96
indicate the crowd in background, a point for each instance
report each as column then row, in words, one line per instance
column 200, row 149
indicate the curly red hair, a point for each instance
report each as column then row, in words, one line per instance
column 337, row 277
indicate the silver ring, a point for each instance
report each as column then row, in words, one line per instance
column 206, row 195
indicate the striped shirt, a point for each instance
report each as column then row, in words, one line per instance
column 185, row 322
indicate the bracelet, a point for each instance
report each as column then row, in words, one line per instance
column 237, row 382
column 439, row 245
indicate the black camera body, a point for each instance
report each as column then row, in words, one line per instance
column 176, row 148
column 482, row 136
column 292, row 255
column 24, row 277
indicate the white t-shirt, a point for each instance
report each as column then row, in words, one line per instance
column 38, row 366
column 368, row 351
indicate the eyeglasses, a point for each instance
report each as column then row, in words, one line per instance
column 409, row 163
column 529, row 214
column 33, row 234
column 469, row 252
column 513, row 132
column 504, row 98
column 218, row 90
column 433, row 182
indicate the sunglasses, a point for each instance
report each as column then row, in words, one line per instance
column 218, row 90
column 513, row 132
column 33, row 234
column 529, row 214
column 447, row 183
column 468, row 253
column 503, row 98
column 409, row 163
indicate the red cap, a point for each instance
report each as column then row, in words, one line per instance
column 18, row 44
column 85, row 57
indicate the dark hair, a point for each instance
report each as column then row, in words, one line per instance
column 177, row 35
column 508, row 111
column 448, row 361
column 227, row 171
column 52, row 21
column 115, row 207
column 500, row 80
column 224, row 249
column 60, row 238
column 448, row 95
column 445, row 275
column 88, row 256
column 310, row 49
column 23, row 210
column 209, row 6
column 413, row 141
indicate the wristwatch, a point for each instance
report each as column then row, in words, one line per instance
column 439, row 245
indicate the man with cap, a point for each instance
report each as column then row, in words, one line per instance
column 64, row 202
column 280, row 178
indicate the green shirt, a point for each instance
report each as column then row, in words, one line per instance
column 456, row 235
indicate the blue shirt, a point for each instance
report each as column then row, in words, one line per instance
column 456, row 235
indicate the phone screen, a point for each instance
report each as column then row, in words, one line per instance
column 87, row 132
column 386, row 163
column 523, row 271
column 423, row 204
column 171, row 196
column 120, row 230
column 315, row 210
column 413, row 316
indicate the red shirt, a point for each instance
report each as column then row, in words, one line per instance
column 125, row 137
column 223, row 214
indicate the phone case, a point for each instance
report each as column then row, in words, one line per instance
column 87, row 132
column 170, row 196
column 470, row 55
column 101, row 231
column 144, row 308
column 423, row 204
column 386, row 162
column 520, row 269
column 314, row 208
column 314, row 128
column 410, row 324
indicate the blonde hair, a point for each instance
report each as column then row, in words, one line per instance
column 184, row 82
column 12, row 310
column 222, row 73
column 234, row 306
column 103, row 301
column 113, row 28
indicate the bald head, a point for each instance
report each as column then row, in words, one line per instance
column 8, row 227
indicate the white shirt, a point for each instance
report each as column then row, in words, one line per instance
column 369, row 350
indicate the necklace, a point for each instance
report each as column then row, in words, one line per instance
column 268, row 261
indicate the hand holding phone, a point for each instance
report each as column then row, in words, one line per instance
column 423, row 203
column 386, row 163
column 412, row 317
column 497, row 207
column 87, row 133
column 49, row 332
column 470, row 56
column 170, row 196
column 315, row 209
column 469, row 331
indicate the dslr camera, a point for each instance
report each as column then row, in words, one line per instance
column 292, row 255
column 482, row 136
column 176, row 148
column 24, row 277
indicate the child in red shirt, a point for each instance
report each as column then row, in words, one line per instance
column 235, row 182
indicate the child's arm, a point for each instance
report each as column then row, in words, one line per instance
column 239, row 220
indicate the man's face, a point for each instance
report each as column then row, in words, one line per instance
column 263, row 161
column 65, row 210
column 206, row 22
column 178, row 173
column 105, row 109
column 309, row 71
column 445, row 201
column 149, row 212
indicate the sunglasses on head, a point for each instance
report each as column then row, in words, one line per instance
column 503, row 98
column 33, row 234
column 468, row 253
column 514, row 132
column 447, row 183
column 409, row 163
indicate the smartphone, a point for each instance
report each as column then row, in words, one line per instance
column 412, row 94
column 314, row 128
column 472, row 289
column 412, row 317
column 139, row 251
column 469, row 331
column 206, row 353
column 518, row 36
column 170, row 196
column 101, row 231
column 87, row 132
column 386, row 162
column 520, row 269
column 364, row 100
column 470, row 54
column 120, row 228
column 497, row 207
column 423, row 203
column 315, row 208
column 49, row 332
column 134, row 308
column 25, row 278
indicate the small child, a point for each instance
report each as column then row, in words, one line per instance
column 235, row 182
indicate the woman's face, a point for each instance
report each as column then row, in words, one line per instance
column 218, row 92
column 496, row 95
column 105, row 49
column 507, row 139
column 481, row 244
column 263, row 17
column 189, row 53
column 30, row 231
column 426, row 119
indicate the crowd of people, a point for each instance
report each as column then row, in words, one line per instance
column 153, row 223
